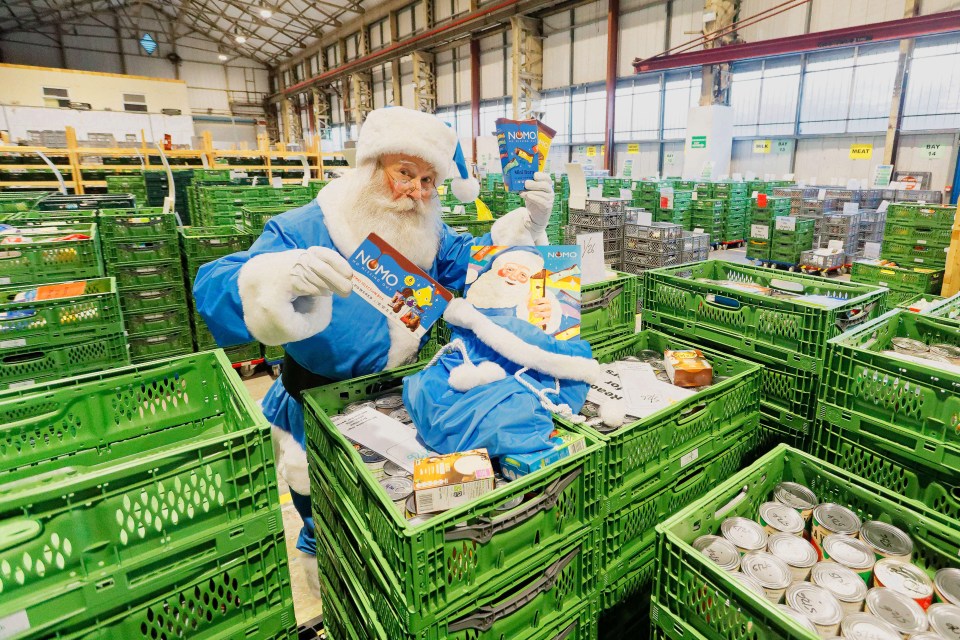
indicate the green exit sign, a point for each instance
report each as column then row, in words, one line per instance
column 698, row 142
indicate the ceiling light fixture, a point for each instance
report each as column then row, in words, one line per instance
column 265, row 13
column 222, row 57
column 240, row 38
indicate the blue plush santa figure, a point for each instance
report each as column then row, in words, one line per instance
column 293, row 286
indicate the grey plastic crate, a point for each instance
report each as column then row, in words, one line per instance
column 654, row 231
column 596, row 221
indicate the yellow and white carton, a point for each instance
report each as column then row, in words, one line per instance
column 443, row 482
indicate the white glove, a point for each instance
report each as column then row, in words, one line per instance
column 319, row 271
column 538, row 199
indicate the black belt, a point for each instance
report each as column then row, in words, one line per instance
column 296, row 378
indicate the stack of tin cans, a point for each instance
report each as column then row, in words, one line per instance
column 836, row 575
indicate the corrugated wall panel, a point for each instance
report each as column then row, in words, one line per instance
column 687, row 16
column 788, row 23
column 836, row 14
column 914, row 155
column 641, row 36
column 743, row 160
column 828, row 159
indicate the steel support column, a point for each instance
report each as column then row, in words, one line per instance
column 613, row 49
column 321, row 113
column 527, row 79
column 892, row 141
column 361, row 96
column 475, row 92
column 424, row 82
column 285, row 121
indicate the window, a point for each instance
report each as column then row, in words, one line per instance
column 352, row 45
column 638, row 109
column 587, row 115
column 933, row 87
column 556, row 110
column 489, row 112
column 332, row 56
column 134, row 102
column 681, row 91
column 764, row 96
column 407, row 20
column 379, row 34
column 53, row 97
column 460, row 118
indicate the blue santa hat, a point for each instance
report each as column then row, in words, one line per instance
column 416, row 133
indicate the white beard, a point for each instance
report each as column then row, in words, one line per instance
column 359, row 204
column 490, row 291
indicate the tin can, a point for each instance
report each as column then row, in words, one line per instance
column 851, row 553
column 945, row 353
column 797, row 553
column 798, row 617
column 410, row 512
column 777, row 517
column 842, row 582
column 904, row 578
column 372, row 460
column 817, row 605
column 797, row 496
column 750, row 583
column 391, row 468
column 897, row 610
column 926, row 635
column 772, row 573
column 399, row 489
column 401, row 415
column 944, row 620
column 887, row 541
column 356, row 406
column 746, row 535
column 946, row 583
column 389, row 403
column 864, row 626
column 500, row 481
column 832, row 518
column 720, row 550
column 909, row 346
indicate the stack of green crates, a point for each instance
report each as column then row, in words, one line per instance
column 158, row 188
column 141, row 250
column 54, row 252
column 255, row 218
column 20, row 200
column 918, row 235
column 131, row 183
column 654, row 466
column 223, row 205
column 145, row 505
column 57, row 330
column 761, row 315
column 735, row 216
column 890, row 409
column 488, row 569
column 315, row 186
column 201, row 245
column 681, row 213
column 707, row 214
column 763, row 213
column 89, row 202
column 791, row 237
column 694, row 598
column 904, row 283
column 611, row 187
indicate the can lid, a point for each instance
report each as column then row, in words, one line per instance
column 401, row 415
column 369, row 456
column 865, row 626
column 795, row 495
column 816, row 603
column 903, row 577
column 847, row 551
column 841, row 581
column 397, row 487
column 793, row 550
column 886, row 538
column 837, row 518
column 799, row 617
column 769, row 570
column 945, row 620
column 720, row 550
column 947, row 582
column 781, row 517
column 901, row 612
column 750, row 583
column 744, row 533
column 391, row 468
column 926, row 636
column 356, row 406
column 391, row 401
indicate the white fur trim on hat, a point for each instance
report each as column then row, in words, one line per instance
column 461, row 313
column 272, row 313
column 465, row 189
column 415, row 133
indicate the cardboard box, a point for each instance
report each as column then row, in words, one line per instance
column 443, row 482
column 688, row 368
column 564, row 445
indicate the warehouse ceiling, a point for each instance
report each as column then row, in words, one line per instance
column 266, row 30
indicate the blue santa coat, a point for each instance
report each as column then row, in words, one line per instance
column 356, row 341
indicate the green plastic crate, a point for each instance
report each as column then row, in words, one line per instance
column 933, row 256
column 702, row 424
column 917, row 279
column 138, row 275
column 157, row 320
column 89, row 202
column 909, row 233
column 786, row 330
column 781, row 426
column 926, row 215
column 758, row 250
column 95, row 310
column 46, row 260
column 921, row 468
column 153, row 297
column 241, row 354
column 149, row 222
column 917, row 298
column 629, row 586
column 897, row 297
column 273, row 354
column 255, row 218
column 204, row 244
column 134, row 251
column 948, row 310
column 420, row 567
column 160, row 344
column 709, row 600
column 26, row 366
column 863, row 374
column 541, row 598
column 609, row 308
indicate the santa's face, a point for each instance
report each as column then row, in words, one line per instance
column 408, row 177
column 514, row 274
column 505, row 286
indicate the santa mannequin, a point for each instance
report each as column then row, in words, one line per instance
column 293, row 286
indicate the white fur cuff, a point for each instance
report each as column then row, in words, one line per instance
column 466, row 376
column 512, row 229
column 272, row 313
column 291, row 461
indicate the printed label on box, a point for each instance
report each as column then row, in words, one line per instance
column 786, row 223
column 761, row 231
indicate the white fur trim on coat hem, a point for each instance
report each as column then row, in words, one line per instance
column 512, row 229
column 291, row 461
column 461, row 313
column 271, row 312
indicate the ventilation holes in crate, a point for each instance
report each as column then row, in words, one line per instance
column 779, row 324
column 638, row 522
column 462, row 562
column 144, row 511
column 43, row 436
column 642, row 449
column 695, row 428
column 566, row 508
column 878, row 388
column 775, row 384
column 872, row 467
column 79, row 313
column 182, row 615
column 18, row 566
column 89, row 352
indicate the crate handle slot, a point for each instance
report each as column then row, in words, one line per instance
column 10, row 254
column 722, row 301
column 136, row 222
column 20, row 358
column 485, row 617
column 730, row 506
column 16, row 532
column 691, row 413
column 149, row 295
column 486, row 528
column 603, row 300
column 857, row 318
column 143, row 246
column 563, row 635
